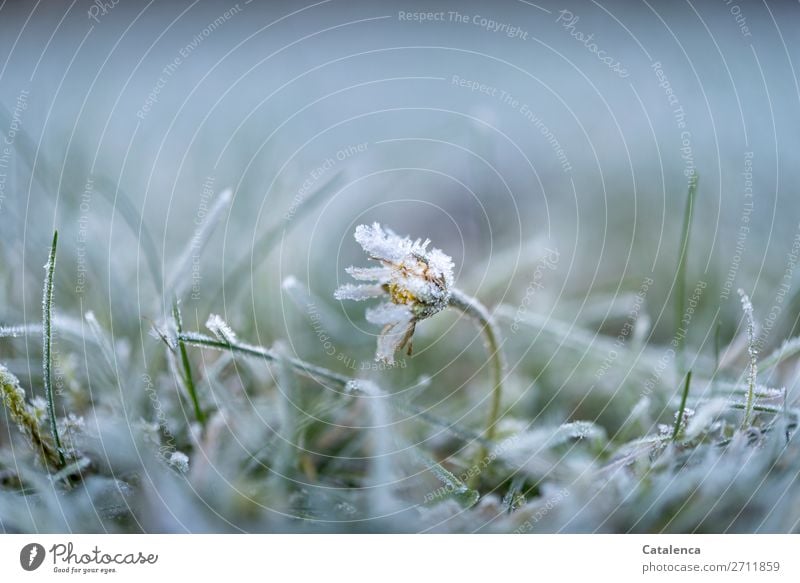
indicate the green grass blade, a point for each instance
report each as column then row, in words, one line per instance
column 187, row 367
column 679, row 419
column 303, row 368
column 47, row 339
column 515, row 497
column 717, row 345
column 688, row 214
column 452, row 487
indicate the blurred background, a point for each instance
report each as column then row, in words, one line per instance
column 548, row 147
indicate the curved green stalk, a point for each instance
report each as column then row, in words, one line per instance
column 473, row 308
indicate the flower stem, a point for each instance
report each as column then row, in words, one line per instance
column 473, row 308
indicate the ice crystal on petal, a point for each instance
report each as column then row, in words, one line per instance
column 370, row 273
column 358, row 293
column 387, row 313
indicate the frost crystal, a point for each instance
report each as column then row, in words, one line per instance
column 362, row 386
column 416, row 281
column 220, row 329
column 180, row 461
column 752, row 351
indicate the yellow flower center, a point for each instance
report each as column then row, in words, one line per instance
column 400, row 295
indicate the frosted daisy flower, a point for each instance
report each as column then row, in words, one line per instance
column 416, row 282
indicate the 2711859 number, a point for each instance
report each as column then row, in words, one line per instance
column 754, row 566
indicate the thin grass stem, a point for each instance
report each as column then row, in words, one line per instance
column 187, row 367
column 682, row 409
column 680, row 335
column 47, row 339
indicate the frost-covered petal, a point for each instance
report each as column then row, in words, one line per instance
column 419, row 247
column 380, row 244
column 398, row 326
column 441, row 264
column 392, row 338
column 382, row 273
column 358, row 293
column 388, row 313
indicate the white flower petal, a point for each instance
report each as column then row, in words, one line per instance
column 419, row 247
column 441, row 264
column 358, row 293
column 388, row 313
column 381, row 245
column 370, row 273
column 393, row 338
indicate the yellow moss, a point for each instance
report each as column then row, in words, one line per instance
column 25, row 417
